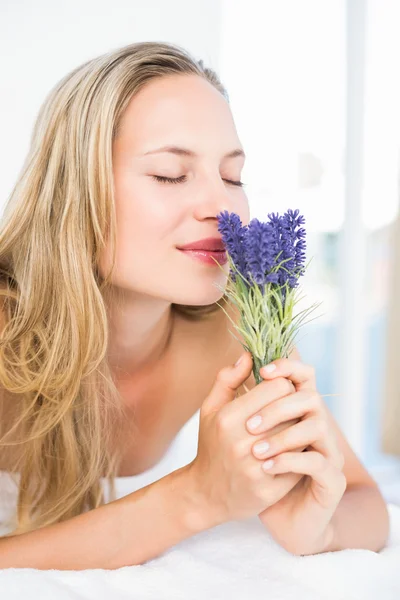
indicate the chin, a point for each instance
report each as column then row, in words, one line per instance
column 202, row 296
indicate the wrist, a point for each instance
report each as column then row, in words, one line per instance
column 196, row 504
column 326, row 542
column 330, row 539
column 196, row 512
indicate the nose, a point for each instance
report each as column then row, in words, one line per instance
column 213, row 198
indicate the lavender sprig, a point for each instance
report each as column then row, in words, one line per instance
column 233, row 234
column 266, row 261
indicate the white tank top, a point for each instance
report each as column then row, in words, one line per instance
column 181, row 451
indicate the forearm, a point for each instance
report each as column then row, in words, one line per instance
column 361, row 520
column 128, row 531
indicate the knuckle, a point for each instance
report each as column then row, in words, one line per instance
column 223, row 421
column 239, row 449
column 284, row 387
column 223, row 375
column 290, row 387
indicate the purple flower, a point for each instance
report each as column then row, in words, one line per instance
column 261, row 249
column 292, row 245
column 272, row 252
column 233, row 235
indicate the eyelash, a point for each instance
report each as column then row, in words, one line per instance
column 181, row 179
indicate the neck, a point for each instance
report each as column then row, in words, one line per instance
column 140, row 329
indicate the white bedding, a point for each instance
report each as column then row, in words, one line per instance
column 236, row 560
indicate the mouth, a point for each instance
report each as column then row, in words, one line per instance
column 208, row 257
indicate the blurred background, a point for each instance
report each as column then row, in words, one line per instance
column 315, row 92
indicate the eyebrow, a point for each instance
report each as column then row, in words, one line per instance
column 186, row 152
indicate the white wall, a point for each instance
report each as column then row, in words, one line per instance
column 42, row 40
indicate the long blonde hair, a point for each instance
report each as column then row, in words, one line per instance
column 55, row 379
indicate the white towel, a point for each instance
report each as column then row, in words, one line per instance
column 236, row 560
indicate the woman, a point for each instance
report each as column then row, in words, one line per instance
column 112, row 338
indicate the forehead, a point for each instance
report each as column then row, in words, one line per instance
column 180, row 109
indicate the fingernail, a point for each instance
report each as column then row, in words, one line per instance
column 267, row 464
column 239, row 360
column 254, row 422
column 269, row 368
column 261, row 448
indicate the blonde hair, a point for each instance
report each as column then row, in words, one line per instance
column 54, row 375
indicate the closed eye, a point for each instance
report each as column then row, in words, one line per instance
column 182, row 178
column 162, row 179
column 231, row 182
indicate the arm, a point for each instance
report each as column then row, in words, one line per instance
column 361, row 519
column 128, row 531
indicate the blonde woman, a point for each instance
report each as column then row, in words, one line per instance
column 112, row 338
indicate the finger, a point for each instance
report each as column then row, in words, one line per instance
column 330, row 450
column 303, row 376
column 302, row 434
column 227, row 382
column 284, row 483
column 292, row 406
column 262, row 395
column 308, row 463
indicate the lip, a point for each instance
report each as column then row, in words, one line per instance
column 207, row 257
column 208, row 244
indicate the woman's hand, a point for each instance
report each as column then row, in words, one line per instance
column 225, row 479
column 300, row 521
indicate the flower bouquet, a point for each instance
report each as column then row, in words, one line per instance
column 266, row 261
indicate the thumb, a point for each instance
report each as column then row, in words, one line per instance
column 227, row 382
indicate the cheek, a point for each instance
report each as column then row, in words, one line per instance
column 145, row 217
